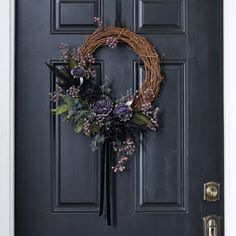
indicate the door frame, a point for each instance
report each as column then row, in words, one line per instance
column 7, row 59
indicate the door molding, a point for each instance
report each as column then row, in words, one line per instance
column 7, row 59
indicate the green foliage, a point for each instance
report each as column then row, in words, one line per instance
column 94, row 128
column 97, row 140
column 79, row 126
column 67, row 100
column 72, row 63
column 67, row 106
column 140, row 119
column 60, row 109
column 105, row 87
column 83, row 114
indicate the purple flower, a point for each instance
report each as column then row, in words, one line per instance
column 102, row 107
column 123, row 112
column 78, row 72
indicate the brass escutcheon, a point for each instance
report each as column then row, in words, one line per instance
column 211, row 225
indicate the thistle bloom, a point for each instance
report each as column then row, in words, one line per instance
column 102, row 107
column 78, row 72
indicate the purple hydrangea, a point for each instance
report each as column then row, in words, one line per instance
column 78, row 72
column 123, row 112
column 102, row 107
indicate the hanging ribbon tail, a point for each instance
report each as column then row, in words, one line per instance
column 102, row 179
column 118, row 13
column 108, row 182
column 105, row 181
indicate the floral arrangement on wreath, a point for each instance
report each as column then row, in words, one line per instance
column 91, row 108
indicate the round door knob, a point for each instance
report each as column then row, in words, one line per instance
column 212, row 191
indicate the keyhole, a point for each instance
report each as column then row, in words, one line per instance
column 212, row 230
column 211, row 225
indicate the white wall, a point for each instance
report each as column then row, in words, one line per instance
column 230, row 115
column 6, row 124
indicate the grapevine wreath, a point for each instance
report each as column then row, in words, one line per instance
column 112, row 124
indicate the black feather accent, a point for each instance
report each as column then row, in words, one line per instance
column 66, row 80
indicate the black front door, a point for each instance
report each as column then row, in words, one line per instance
column 161, row 193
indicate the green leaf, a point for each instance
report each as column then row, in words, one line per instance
column 140, row 119
column 67, row 100
column 78, row 127
column 69, row 114
column 61, row 109
column 98, row 139
column 72, row 63
column 94, row 128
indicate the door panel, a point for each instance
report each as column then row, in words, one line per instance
column 76, row 16
column 57, row 174
column 151, row 16
column 162, row 172
column 68, row 184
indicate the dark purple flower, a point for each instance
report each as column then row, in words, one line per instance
column 78, row 72
column 102, row 107
column 123, row 112
column 89, row 90
column 116, row 131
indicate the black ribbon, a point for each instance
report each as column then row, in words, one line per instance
column 102, row 177
column 118, row 13
column 105, row 182
column 108, row 175
column 105, row 164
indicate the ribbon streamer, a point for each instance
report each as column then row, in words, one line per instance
column 118, row 13
column 105, row 175
column 102, row 177
column 108, row 173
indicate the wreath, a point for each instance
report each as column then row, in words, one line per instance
column 90, row 107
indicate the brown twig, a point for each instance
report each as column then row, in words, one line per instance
column 140, row 45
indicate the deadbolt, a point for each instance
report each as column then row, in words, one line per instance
column 211, row 225
column 211, row 191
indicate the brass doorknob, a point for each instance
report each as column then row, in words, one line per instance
column 211, row 191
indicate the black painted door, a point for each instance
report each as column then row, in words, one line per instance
column 57, row 183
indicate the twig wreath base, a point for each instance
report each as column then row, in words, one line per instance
column 141, row 47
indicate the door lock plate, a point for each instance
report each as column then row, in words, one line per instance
column 211, row 225
column 211, row 191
